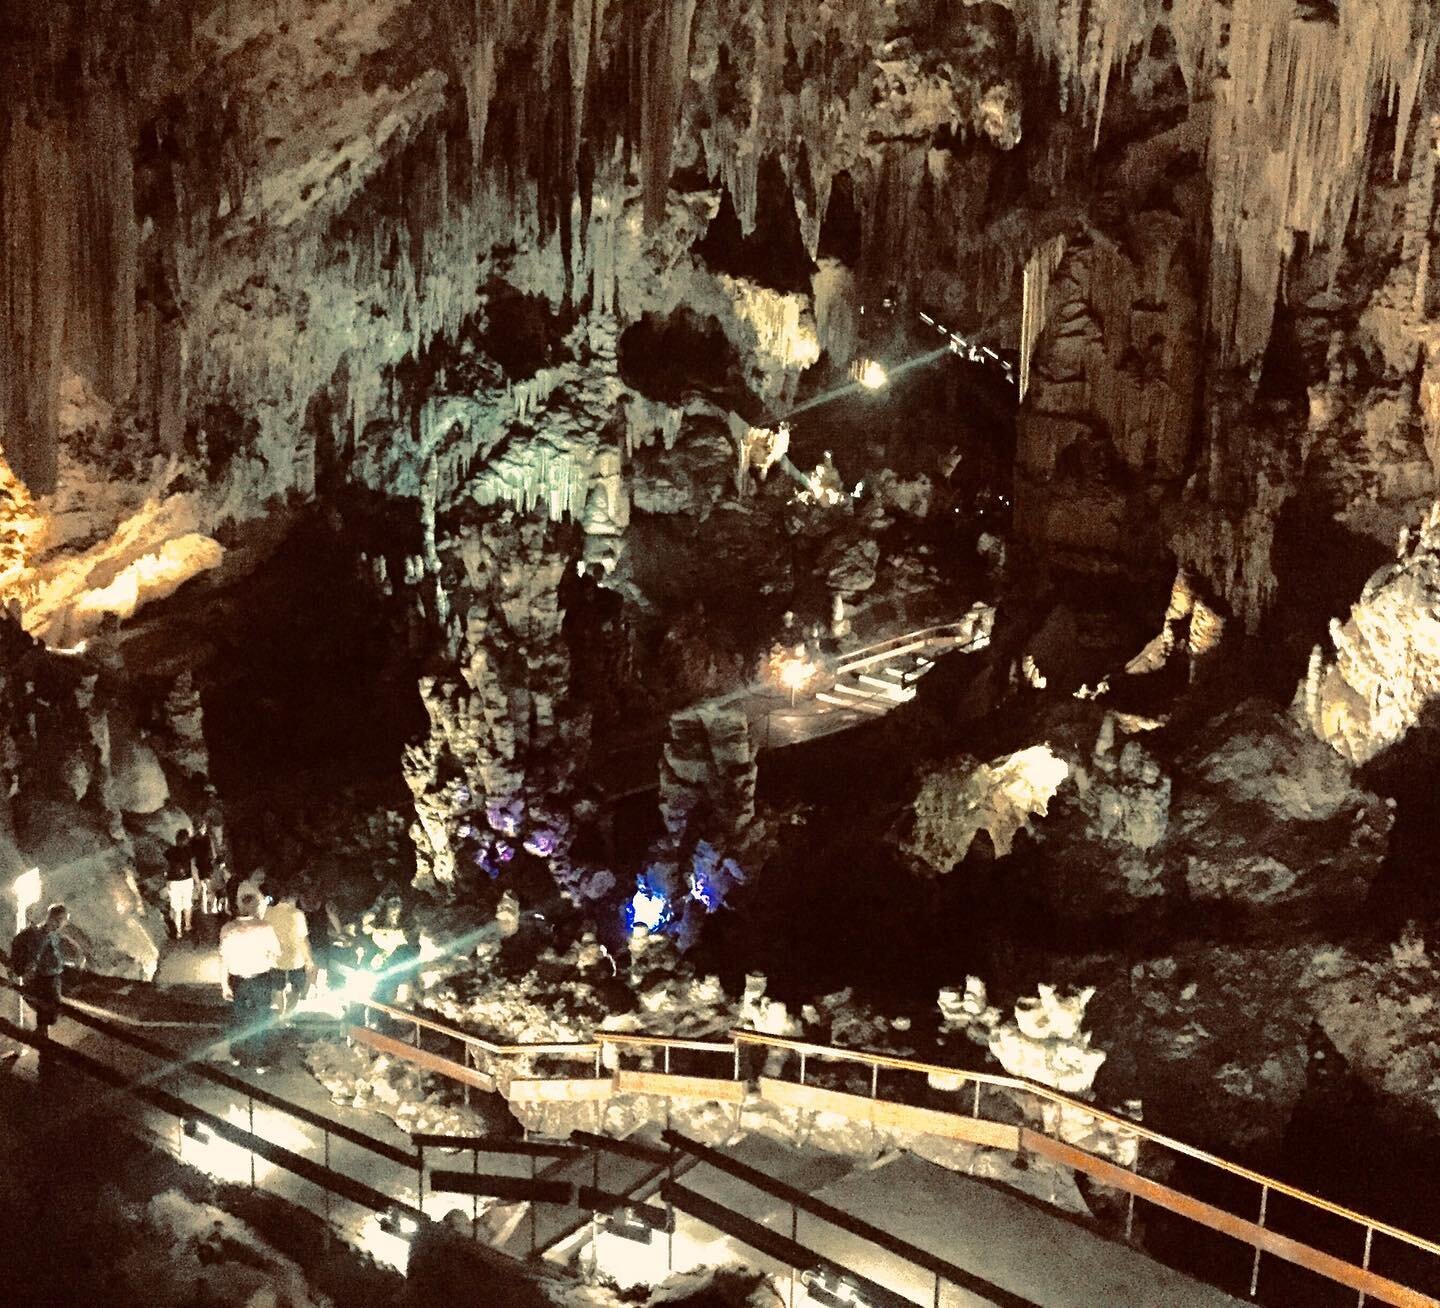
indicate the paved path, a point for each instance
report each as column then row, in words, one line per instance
column 1011, row 1242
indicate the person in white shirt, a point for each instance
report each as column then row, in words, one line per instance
column 249, row 952
column 292, row 971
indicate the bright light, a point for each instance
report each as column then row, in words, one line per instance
column 227, row 1161
column 358, row 986
column 794, row 673
column 869, row 373
column 27, row 895
column 649, row 909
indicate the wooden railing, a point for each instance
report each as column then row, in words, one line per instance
column 1063, row 1121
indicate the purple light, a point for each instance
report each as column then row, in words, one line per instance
column 541, row 843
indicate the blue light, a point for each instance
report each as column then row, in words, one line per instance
column 648, row 908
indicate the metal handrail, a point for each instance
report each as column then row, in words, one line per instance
column 741, row 1036
column 1061, row 1100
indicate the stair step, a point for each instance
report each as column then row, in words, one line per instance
column 887, row 688
column 862, row 705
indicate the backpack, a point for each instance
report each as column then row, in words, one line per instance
column 25, row 951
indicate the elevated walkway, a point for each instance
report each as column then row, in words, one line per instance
column 776, row 1083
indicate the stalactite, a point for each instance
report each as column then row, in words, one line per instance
column 1290, row 139
column 665, row 34
column 1039, row 269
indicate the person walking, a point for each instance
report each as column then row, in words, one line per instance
column 322, row 927
column 181, row 883
column 249, row 952
column 45, row 986
column 293, row 969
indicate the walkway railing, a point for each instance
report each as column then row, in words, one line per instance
column 997, row 1111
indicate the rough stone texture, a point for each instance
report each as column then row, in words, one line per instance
column 1386, row 665
column 1270, row 820
column 958, row 801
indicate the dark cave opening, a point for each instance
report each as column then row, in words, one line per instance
column 310, row 695
column 1320, row 567
column 523, row 333
column 774, row 253
column 667, row 357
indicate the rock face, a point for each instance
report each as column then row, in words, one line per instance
column 1271, row 821
column 963, row 798
column 1109, row 421
column 1386, row 665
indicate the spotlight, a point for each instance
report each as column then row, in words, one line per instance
column 628, row 1225
column 832, row 1289
column 869, row 373
column 358, row 986
column 396, row 1221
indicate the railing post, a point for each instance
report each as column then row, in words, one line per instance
column 667, row 1060
column 1365, row 1262
column 737, row 1060
column 1255, row 1266
column 250, row 1100
column 874, row 1080
column 420, row 1177
column 534, row 1235
column 937, row 1290
column 475, row 1198
column 326, row 1137
column 976, row 1111
column 1130, row 1206
column 802, row 1067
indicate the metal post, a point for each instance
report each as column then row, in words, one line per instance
column 1130, row 1207
column 874, row 1080
column 794, row 1233
column 737, row 1060
column 1365, row 1262
column 250, row 1099
column 667, row 1060
column 976, row 1112
column 802, row 1067
column 1255, row 1266
column 670, row 1213
column 937, row 1290
column 467, row 1060
column 325, row 1133
column 534, row 1237
column 420, row 1177
column 417, row 1035
column 475, row 1198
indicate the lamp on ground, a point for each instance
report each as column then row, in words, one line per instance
column 833, row 1290
column 628, row 1225
column 396, row 1221
column 869, row 373
column 794, row 672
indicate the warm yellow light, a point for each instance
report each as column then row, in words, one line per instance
column 795, row 672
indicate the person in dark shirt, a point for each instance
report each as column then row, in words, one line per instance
column 181, row 883
column 45, row 985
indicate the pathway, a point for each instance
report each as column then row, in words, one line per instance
column 863, row 684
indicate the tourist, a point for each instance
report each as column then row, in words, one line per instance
column 322, row 926
column 45, row 984
column 181, row 883
column 249, row 952
column 203, row 855
column 25, row 948
column 295, row 963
